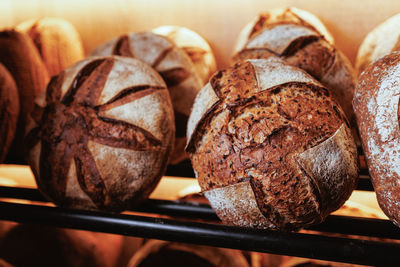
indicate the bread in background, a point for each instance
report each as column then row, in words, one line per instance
column 9, row 111
column 195, row 46
column 57, row 41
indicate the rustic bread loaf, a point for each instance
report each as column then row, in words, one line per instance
column 382, row 40
column 376, row 105
column 162, row 253
column 101, row 136
column 57, row 41
column 285, row 34
column 28, row 245
column 195, row 46
column 19, row 55
column 172, row 64
column 9, row 110
column 270, row 147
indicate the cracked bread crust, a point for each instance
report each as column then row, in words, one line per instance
column 301, row 45
column 259, row 132
column 101, row 136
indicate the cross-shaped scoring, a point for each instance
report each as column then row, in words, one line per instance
column 76, row 118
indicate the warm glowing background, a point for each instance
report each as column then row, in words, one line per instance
column 218, row 21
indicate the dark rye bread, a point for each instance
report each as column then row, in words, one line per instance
column 161, row 253
column 300, row 44
column 9, row 110
column 101, row 136
column 376, row 105
column 174, row 66
column 270, row 147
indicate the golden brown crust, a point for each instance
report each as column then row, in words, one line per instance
column 376, row 105
column 86, row 136
column 269, row 135
column 9, row 110
column 172, row 64
column 19, row 55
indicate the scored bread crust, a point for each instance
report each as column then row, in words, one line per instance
column 376, row 104
column 270, row 148
column 291, row 15
column 57, row 41
column 173, row 64
column 101, row 136
column 300, row 44
column 195, row 46
column 9, row 110
column 220, row 257
column 379, row 42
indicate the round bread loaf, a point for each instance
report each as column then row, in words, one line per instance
column 162, row 253
column 9, row 110
column 301, row 42
column 173, row 64
column 101, row 136
column 376, row 105
column 195, row 46
column 57, row 41
column 382, row 40
column 21, row 58
column 42, row 246
column 270, row 147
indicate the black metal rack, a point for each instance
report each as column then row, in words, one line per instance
column 153, row 220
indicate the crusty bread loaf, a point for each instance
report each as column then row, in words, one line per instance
column 19, row 55
column 300, row 43
column 101, row 136
column 376, row 105
column 57, row 41
column 9, row 110
column 382, row 40
column 270, row 147
column 173, row 64
column 44, row 246
column 162, row 253
column 195, row 46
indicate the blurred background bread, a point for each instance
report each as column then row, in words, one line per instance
column 57, row 41
column 9, row 110
column 195, row 46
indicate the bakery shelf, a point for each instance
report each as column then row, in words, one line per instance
column 152, row 220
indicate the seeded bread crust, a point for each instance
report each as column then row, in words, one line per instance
column 270, row 147
column 101, row 136
column 376, row 105
column 302, row 45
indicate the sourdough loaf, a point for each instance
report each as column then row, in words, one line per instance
column 195, row 46
column 162, row 253
column 57, row 41
column 303, row 43
column 27, row 245
column 173, row 64
column 19, row 55
column 9, row 110
column 101, row 136
column 270, row 147
column 382, row 40
column 376, row 105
